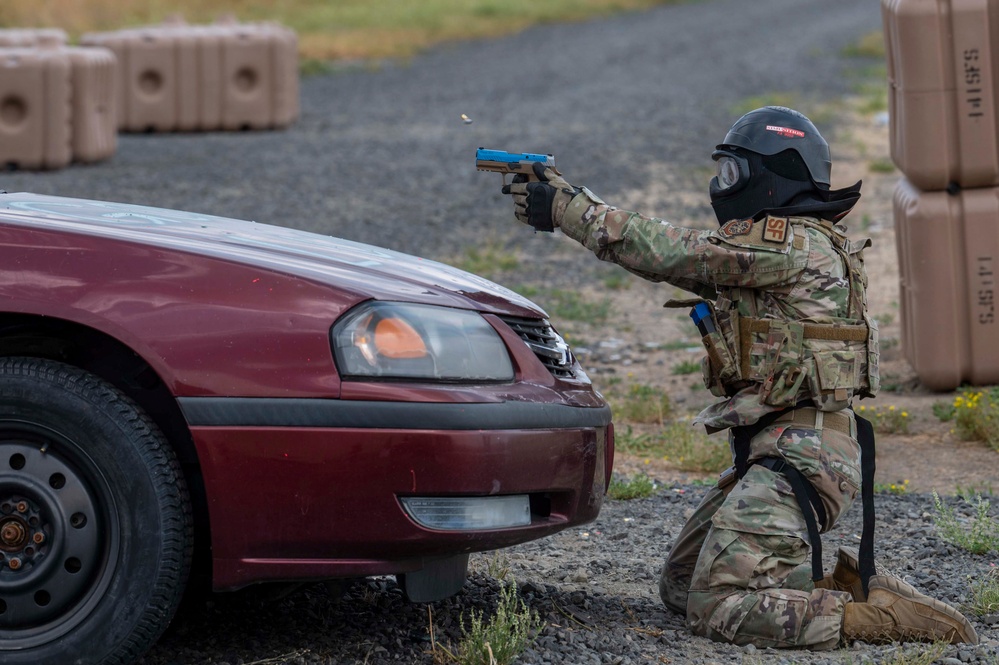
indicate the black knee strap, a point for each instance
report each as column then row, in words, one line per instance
column 805, row 494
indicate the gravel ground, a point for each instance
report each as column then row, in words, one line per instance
column 632, row 106
column 595, row 591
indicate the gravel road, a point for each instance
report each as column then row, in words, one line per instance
column 381, row 155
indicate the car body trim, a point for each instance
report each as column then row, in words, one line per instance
column 357, row 414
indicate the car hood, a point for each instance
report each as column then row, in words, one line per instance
column 364, row 270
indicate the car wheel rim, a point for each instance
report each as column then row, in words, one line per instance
column 58, row 537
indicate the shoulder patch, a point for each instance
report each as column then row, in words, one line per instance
column 775, row 230
column 737, row 227
column 770, row 233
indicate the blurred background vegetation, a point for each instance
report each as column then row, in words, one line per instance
column 327, row 29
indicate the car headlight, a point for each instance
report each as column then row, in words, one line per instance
column 400, row 340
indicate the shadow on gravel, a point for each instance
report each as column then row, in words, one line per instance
column 372, row 623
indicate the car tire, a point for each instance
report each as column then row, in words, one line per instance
column 95, row 520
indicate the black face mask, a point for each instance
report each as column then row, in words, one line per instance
column 751, row 186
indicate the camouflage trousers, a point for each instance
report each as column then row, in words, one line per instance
column 740, row 567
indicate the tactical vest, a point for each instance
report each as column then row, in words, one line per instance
column 829, row 362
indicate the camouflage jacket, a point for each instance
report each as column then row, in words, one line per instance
column 788, row 296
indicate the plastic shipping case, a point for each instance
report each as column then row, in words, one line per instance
column 31, row 37
column 177, row 77
column 942, row 82
column 94, row 125
column 35, row 110
column 948, row 248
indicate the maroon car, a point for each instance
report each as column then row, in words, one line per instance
column 264, row 404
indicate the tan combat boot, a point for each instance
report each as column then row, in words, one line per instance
column 895, row 612
column 846, row 575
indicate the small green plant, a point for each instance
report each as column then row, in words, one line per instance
column 498, row 566
column 973, row 490
column 897, row 487
column 679, row 445
column 886, row 419
column 976, row 415
column 978, row 534
column 944, row 411
column 985, row 593
column 922, row 654
column 643, row 404
column 687, row 367
column 502, row 639
column 881, row 166
column 680, row 345
column 636, row 487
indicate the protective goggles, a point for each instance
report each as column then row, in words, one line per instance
column 733, row 170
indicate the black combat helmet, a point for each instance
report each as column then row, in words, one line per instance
column 774, row 161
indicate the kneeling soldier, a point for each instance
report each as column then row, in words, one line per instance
column 782, row 308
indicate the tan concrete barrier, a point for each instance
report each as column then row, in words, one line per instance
column 942, row 105
column 35, row 112
column 188, row 78
column 948, row 248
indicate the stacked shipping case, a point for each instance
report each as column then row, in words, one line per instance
column 230, row 76
column 943, row 125
column 56, row 102
column 60, row 103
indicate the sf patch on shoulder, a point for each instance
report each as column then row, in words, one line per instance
column 775, row 230
column 773, row 233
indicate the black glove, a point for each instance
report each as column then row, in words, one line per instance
column 541, row 204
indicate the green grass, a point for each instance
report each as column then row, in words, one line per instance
column 636, row 487
column 564, row 305
column 502, row 639
column 617, row 280
column 897, row 487
column 642, row 404
column 488, row 260
column 770, row 99
column 881, row 166
column 680, row 345
column 870, row 45
column 976, row 415
column 327, row 30
column 916, row 654
column 978, row 534
column 886, row 419
column 678, row 444
column 685, row 367
column 985, row 593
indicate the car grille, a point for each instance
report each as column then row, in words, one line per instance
column 546, row 344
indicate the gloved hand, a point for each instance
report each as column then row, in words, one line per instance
column 541, row 204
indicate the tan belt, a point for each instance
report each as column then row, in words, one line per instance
column 845, row 333
column 838, row 421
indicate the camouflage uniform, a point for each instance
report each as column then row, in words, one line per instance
column 739, row 567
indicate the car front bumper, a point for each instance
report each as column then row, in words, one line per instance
column 310, row 488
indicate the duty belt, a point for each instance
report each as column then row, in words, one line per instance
column 813, row 418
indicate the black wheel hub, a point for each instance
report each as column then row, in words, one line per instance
column 52, row 544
